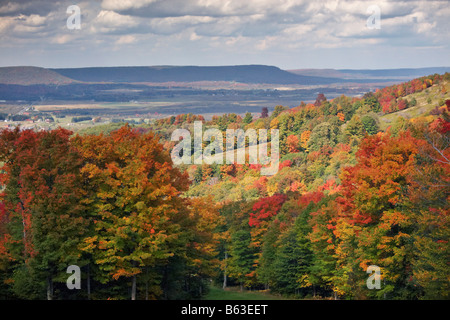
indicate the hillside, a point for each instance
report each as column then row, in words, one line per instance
column 358, row 179
column 31, row 76
column 426, row 102
column 308, row 128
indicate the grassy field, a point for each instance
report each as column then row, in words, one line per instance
column 427, row 100
column 234, row 293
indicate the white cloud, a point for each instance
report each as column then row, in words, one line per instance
column 62, row 39
column 127, row 39
column 111, row 19
column 32, row 20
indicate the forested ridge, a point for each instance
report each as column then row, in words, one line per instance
column 358, row 185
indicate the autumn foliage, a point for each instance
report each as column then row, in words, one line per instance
column 109, row 203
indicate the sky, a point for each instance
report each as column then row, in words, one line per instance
column 290, row 34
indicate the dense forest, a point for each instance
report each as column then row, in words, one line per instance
column 355, row 188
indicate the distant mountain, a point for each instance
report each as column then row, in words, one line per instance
column 158, row 74
column 404, row 72
column 31, row 76
column 371, row 74
column 246, row 74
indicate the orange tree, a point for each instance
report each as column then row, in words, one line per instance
column 375, row 226
column 140, row 222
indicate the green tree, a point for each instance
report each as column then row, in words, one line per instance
column 278, row 109
column 324, row 134
column 370, row 100
column 355, row 127
column 240, row 265
column 248, row 118
column 370, row 124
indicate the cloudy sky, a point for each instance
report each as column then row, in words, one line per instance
column 290, row 34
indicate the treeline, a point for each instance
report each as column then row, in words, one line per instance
column 109, row 204
column 81, row 118
column 24, row 117
column 179, row 119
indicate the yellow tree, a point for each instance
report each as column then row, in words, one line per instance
column 304, row 138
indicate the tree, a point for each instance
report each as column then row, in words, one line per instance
column 355, row 127
column 248, row 118
column 402, row 104
column 293, row 256
column 241, row 263
column 265, row 208
column 322, row 270
column 264, row 112
column 137, row 210
column 278, row 109
column 370, row 100
column 430, row 209
column 370, row 124
column 304, row 138
column 323, row 134
column 320, row 99
column 45, row 205
column 195, row 262
column 374, row 226
column 292, row 143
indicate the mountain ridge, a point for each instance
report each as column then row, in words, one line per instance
column 158, row 74
column 248, row 74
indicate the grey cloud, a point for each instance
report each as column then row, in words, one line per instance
column 28, row 7
column 235, row 27
column 177, row 8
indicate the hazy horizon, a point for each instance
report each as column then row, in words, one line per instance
column 230, row 65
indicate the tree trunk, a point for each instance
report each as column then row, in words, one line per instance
column 88, row 282
column 146, row 283
column 49, row 288
column 24, row 231
column 225, row 272
column 133, row 288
